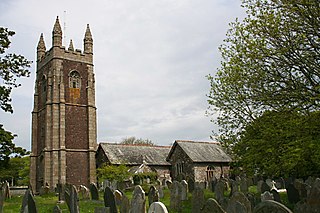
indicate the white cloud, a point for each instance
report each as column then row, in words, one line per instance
column 151, row 59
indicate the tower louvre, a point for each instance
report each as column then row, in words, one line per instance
column 64, row 114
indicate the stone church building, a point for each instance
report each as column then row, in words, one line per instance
column 64, row 132
column 64, row 138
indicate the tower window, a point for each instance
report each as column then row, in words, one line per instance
column 74, row 79
column 44, row 83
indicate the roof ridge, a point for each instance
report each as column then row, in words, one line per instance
column 190, row 141
column 138, row 145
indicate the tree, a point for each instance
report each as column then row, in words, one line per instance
column 135, row 141
column 12, row 66
column 270, row 62
column 113, row 172
column 281, row 144
column 17, row 171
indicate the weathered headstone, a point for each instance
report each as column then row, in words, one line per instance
column 265, row 187
column 57, row 209
column 84, row 192
column 118, row 197
column 153, row 195
column 138, row 202
column 243, row 185
column 24, row 205
column 276, row 196
column 266, row 196
column 125, row 204
column 28, row 203
column 271, row 206
column 161, row 192
column 61, row 188
column 157, row 207
column 269, row 182
column 72, row 199
column 7, row 193
column 292, row 193
column 241, row 198
column 219, row 191
column 94, row 191
column 313, row 199
column 234, row 187
column 102, row 210
column 236, row 207
column 184, row 190
column 259, row 185
column 212, row 206
column 109, row 200
column 168, row 183
column 1, row 198
column 197, row 200
column 175, row 196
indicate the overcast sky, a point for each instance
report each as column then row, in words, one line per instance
column 151, row 59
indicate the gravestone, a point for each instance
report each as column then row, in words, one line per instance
column 302, row 189
column 175, row 196
column 276, row 196
column 153, row 195
column 125, row 204
column 1, row 198
column 109, row 200
column 184, row 190
column 94, row 191
column 313, row 199
column 219, row 191
column 168, row 183
column 118, row 197
column 161, row 193
column 265, row 187
column 24, row 205
column 212, row 206
column 72, row 199
column 269, row 182
column 292, row 193
column 271, row 206
column 138, row 202
column 102, row 210
column 259, row 185
column 157, row 207
column 84, row 192
column 61, row 188
column 266, row 196
column 197, row 200
column 57, row 209
column 28, row 203
column 243, row 185
column 310, row 181
column 241, row 198
column 234, row 187
column 7, row 193
column 236, row 207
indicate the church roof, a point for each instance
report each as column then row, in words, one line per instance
column 136, row 154
column 200, row 152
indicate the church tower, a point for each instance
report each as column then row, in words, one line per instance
column 64, row 137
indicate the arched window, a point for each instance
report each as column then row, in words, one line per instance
column 210, row 173
column 44, row 83
column 74, row 79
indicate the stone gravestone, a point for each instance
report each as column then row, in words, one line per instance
column 118, row 197
column 266, row 196
column 219, row 191
column 243, row 185
column 109, row 200
column 72, row 199
column 84, row 192
column 175, row 196
column 292, row 193
column 236, row 207
column 94, row 191
column 157, row 207
column 276, row 196
column 265, row 187
column 234, row 187
column 161, row 192
column 212, row 206
column 153, row 195
column 125, row 204
column 57, row 209
column 138, row 202
column 197, row 200
column 313, row 200
column 269, row 182
column 184, row 190
column 259, row 185
column 271, row 206
column 102, row 210
column 7, row 193
column 168, row 183
column 61, row 188
column 1, row 198
column 28, row 204
column 241, row 198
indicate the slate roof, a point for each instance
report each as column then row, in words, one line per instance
column 201, row 151
column 136, row 154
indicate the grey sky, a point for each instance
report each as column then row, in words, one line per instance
column 151, row 58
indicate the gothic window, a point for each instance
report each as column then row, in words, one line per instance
column 74, row 79
column 44, row 83
column 210, row 172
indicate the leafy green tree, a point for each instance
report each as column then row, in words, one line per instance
column 12, row 66
column 17, row 171
column 113, row 172
column 281, row 144
column 270, row 62
column 134, row 140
